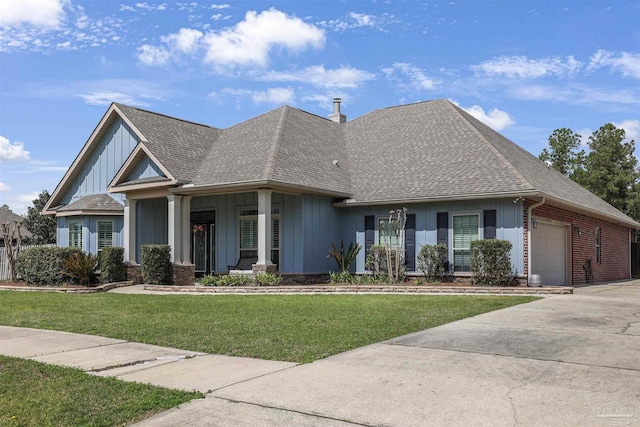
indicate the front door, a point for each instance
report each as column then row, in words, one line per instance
column 203, row 226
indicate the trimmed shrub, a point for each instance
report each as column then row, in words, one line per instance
column 267, row 279
column 112, row 268
column 352, row 279
column 42, row 266
column 81, row 268
column 226, row 280
column 156, row 264
column 432, row 261
column 491, row 262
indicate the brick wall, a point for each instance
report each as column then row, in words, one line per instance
column 615, row 256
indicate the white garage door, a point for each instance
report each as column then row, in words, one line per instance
column 549, row 251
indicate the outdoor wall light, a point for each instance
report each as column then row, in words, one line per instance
column 578, row 230
column 534, row 223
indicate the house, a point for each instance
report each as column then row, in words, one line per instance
column 273, row 193
column 6, row 216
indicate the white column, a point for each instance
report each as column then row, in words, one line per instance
column 264, row 227
column 129, row 231
column 187, row 234
column 174, row 224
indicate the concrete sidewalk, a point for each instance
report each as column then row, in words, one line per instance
column 565, row 360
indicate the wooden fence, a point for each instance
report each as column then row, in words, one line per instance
column 4, row 260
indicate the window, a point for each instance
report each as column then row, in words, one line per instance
column 75, row 234
column 598, row 249
column 249, row 234
column 465, row 230
column 105, row 234
column 386, row 234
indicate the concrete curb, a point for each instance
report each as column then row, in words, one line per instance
column 100, row 288
column 367, row 289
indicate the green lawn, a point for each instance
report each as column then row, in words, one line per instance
column 36, row 394
column 296, row 328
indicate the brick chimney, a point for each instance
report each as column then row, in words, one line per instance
column 337, row 116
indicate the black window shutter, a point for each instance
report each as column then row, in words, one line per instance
column 490, row 219
column 410, row 242
column 369, row 234
column 443, row 228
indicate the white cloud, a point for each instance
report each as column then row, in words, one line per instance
column 96, row 92
column 219, row 6
column 107, row 97
column 523, row 67
column 12, row 151
column 153, row 55
column 4, row 187
column 624, row 62
column 247, row 43
column 409, row 77
column 495, row 119
column 151, row 7
column 359, row 20
column 20, row 202
column 39, row 13
column 631, row 129
column 277, row 95
column 574, row 94
column 250, row 41
column 317, row 75
column 185, row 40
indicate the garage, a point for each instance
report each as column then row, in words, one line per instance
column 549, row 253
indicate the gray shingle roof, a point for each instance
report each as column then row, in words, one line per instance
column 420, row 151
column 179, row 145
column 7, row 216
column 94, row 202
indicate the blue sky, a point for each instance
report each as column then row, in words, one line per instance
column 523, row 67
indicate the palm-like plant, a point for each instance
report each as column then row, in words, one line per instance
column 81, row 268
column 342, row 257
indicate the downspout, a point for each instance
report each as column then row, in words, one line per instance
column 529, row 211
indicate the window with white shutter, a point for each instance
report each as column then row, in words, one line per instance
column 105, row 234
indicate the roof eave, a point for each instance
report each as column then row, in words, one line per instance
column 244, row 186
column 562, row 203
column 83, row 212
column 434, row 199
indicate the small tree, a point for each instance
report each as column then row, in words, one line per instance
column 42, row 227
column 395, row 252
column 11, row 232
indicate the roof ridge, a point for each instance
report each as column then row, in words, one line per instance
column 270, row 165
column 492, row 147
column 166, row 116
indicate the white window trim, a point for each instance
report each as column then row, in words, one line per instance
column 451, row 235
column 81, row 222
column 273, row 216
column 98, row 233
column 378, row 234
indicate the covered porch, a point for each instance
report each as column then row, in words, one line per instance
column 253, row 231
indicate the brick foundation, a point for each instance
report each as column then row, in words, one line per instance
column 615, row 251
column 263, row 268
column 134, row 273
column 184, row 274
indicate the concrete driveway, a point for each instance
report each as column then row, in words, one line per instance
column 562, row 361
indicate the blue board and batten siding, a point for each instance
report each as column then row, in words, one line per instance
column 146, row 169
column 308, row 225
column 90, row 231
column 151, row 223
column 509, row 225
column 106, row 160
